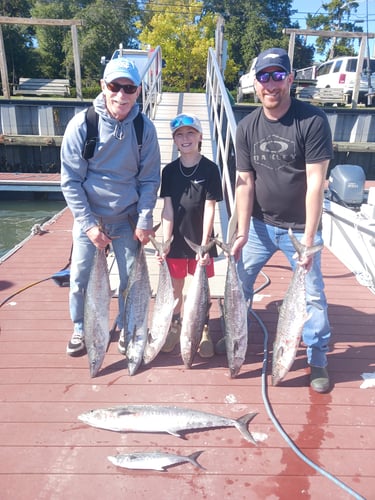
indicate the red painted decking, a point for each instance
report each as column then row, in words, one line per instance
column 46, row 453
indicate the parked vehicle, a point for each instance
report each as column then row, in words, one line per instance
column 139, row 57
column 340, row 73
column 246, row 84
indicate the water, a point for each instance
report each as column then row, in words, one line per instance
column 17, row 217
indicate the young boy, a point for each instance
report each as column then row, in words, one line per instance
column 191, row 186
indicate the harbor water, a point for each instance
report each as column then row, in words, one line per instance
column 17, row 218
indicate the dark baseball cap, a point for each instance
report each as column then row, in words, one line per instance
column 273, row 57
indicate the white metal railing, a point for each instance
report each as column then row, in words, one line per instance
column 152, row 83
column 223, row 131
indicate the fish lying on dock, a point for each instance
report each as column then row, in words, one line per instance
column 137, row 302
column 153, row 460
column 170, row 419
column 196, row 307
column 292, row 316
column 163, row 308
column 234, row 312
column 96, row 312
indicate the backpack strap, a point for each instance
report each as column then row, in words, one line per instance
column 92, row 120
column 138, row 123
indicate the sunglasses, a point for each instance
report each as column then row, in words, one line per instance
column 277, row 76
column 179, row 121
column 116, row 87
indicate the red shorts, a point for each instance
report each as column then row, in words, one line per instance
column 180, row 268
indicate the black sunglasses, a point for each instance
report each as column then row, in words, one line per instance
column 277, row 76
column 116, row 87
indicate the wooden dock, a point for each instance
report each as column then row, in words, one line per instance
column 46, row 453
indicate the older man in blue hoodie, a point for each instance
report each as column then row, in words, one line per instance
column 118, row 181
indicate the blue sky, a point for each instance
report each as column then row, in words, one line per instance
column 304, row 7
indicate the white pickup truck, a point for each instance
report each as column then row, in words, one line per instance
column 246, row 84
column 139, row 57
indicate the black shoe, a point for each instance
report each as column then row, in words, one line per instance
column 319, row 379
column 76, row 345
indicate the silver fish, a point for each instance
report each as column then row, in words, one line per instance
column 137, row 302
column 163, row 308
column 234, row 315
column 96, row 312
column 153, row 460
column 170, row 419
column 292, row 316
column 196, row 307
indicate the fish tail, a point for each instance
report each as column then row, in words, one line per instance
column 193, row 459
column 242, row 424
column 200, row 250
column 302, row 249
column 224, row 246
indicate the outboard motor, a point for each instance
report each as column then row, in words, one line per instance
column 346, row 185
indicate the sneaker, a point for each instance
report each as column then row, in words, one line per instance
column 220, row 347
column 319, row 379
column 173, row 337
column 206, row 346
column 121, row 346
column 76, row 345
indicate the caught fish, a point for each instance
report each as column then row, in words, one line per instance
column 153, row 460
column 137, row 302
column 96, row 312
column 170, row 419
column 292, row 316
column 163, row 308
column 234, row 312
column 196, row 308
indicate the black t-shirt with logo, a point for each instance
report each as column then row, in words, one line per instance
column 189, row 188
column 277, row 152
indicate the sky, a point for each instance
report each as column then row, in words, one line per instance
column 313, row 6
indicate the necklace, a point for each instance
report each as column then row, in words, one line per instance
column 195, row 168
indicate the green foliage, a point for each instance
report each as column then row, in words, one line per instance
column 185, row 35
column 336, row 18
column 184, row 29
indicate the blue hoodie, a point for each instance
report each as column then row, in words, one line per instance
column 118, row 179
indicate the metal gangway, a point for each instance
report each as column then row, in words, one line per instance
column 215, row 112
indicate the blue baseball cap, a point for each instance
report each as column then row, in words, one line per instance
column 121, row 68
column 273, row 57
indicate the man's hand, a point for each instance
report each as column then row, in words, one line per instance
column 238, row 245
column 98, row 238
column 143, row 235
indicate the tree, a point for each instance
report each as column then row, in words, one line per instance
column 336, row 18
column 255, row 25
column 106, row 24
column 18, row 40
column 185, row 35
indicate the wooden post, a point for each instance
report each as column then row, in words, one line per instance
column 3, row 68
column 44, row 22
column 77, row 64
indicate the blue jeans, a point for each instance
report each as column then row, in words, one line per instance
column 263, row 241
column 124, row 247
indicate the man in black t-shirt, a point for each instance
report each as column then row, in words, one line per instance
column 283, row 151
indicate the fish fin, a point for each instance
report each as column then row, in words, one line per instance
column 242, row 423
column 280, row 351
column 155, row 228
column 174, row 433
column 193, row 459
